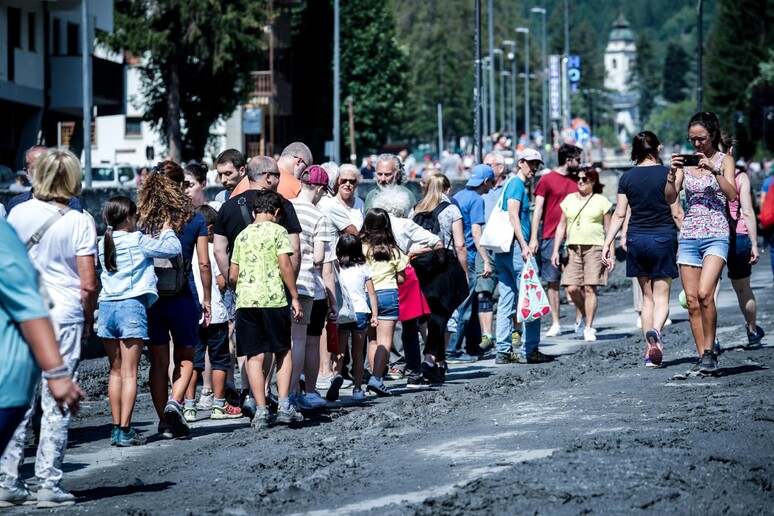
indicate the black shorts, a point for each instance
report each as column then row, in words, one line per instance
column 262, row 330
column 317, row 319
column 739, row 253
column 213, row 338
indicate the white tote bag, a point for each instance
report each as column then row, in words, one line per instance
column 498, row 232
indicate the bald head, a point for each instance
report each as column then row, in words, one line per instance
column 263, row 173
column 296, row 155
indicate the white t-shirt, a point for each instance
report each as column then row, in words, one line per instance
column 353, row 279
column 219, row 312
column 55, row 255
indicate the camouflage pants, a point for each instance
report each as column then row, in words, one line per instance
column 53, row 425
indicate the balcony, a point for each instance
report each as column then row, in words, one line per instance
column 265, row 90
column 66, row 93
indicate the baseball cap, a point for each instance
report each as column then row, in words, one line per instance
column 479, row 174
column 529, row 155
column 316, row 175
column 21, row 173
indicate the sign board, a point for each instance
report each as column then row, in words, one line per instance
column 554, row 87
column 251, row 121
column 573, row 71
column 582, row 134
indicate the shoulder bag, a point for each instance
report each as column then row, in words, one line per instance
column 495, row 236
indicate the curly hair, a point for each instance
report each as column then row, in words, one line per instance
column 160, row 199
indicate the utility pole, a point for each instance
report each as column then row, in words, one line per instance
column 440, row 127
column 352, row 155
column 499, row 52
column 336, row 157
column 477, row 87
column 511, row 45
column 700, row 54
column 491, row 69
column 543, row 75
column 525, row 31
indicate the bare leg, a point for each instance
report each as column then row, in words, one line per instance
column 298, row 353
column 219, row 383
column 183, row 372
column 255, row 377
column 691, row 277
column 159, row 378
column 312, row 362
column 284, row 371
column 114, row 381
column 357, row 358
column 747, row 303
column 131, row 351
column 710, row 273
column 590, row 304
column 554, row 300
column 660, row 289
column 379, row 352
column 325, row 356
column 576, row 294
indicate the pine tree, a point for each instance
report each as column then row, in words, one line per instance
column 645, row 77
column 676, row 65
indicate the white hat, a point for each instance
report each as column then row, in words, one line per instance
column 529, row 155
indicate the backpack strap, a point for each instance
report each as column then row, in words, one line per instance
column 35, row 239
column 242, row 202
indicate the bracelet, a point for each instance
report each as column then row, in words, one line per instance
column 56, row 373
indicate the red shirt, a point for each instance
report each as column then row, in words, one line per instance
column 554, row 187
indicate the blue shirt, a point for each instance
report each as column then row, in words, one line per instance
column 471, row 204
column 196, row 227
column 74, row 203
column 517, row 190
column 490, row 200
column 20, row 301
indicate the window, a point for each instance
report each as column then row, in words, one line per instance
column 31, row 32
column 56, row 37
column 14, row 40
column 615, row 64
column 72, row 39
column 133, row 127
column 66, row 133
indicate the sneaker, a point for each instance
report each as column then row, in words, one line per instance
column 486, row 343
column 261, row 420
column 114, row 435
column 668, row 322
column 17, row 495
column 709, row 362
column 173, row 415
column 648, row 363
column 130, row 438
column 755, row 338
column 289, row 415
column 394, row 374
column 233, row 396
column 515, row 339
column 248, row 408
column 554, row 331
column 639, row 321
column 462, row 358
column 301, row 402
column 189, row 413
column 272, row 402
column 415, row 381
column 580, row 327
column 165, row 429
column 655, row 353
column 358, row 394
column 536, row 357
column 227, row 411
column 206, row 400
column 378, row 387
column 507, row 358
column 53, row 496
column 347, row 383
column 334, row 387
column 315, row 400
column 432, row 374
column 716, row 348
column 590, row 335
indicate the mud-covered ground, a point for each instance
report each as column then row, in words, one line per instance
column 594, row 431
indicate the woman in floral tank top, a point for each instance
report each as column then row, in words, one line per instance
column 704, row 236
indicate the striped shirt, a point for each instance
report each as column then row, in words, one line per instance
column 315, row 227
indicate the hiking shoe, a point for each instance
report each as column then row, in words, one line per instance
column 589, row 334
column 261, row 420
column 554, row 331
column 432, row 374
column 272, row 402
column 507, row 358
column 248, row 408
column 515, row 339
column 378, row 387
column 415, row 381
column 394, row 374
column 206, row 400
column 709, row 362
column 334, row 387
column 580, row 327
column 358, row 394
column 486, row 343
column 755, row 338
column 114, row 435
column 289, row 415
column 53, row 496
column 173, row 415
column 130, row 438
column 227, row 411
column 17, row 495
column 315, row 400
column 536, row 357
column 462, row 358
column 165, row 430
column 189, row 413
column 655, row 351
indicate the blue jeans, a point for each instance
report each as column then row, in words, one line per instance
column 463, row 322
column 509, row 266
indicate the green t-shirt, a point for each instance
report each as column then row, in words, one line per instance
column 256, row 251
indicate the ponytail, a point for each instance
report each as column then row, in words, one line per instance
column 115, row 213
column 109, row 251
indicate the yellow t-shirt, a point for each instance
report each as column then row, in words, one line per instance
column 383, row 273
column 588, row 228
column 256, row 251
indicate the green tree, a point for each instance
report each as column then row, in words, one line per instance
column 374, row 71
column 645, row 76
column 676, row 65
column 197, row 56
column 670, row 122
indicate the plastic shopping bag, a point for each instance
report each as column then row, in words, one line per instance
column 533, row 302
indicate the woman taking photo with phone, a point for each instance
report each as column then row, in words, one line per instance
column 704, row 236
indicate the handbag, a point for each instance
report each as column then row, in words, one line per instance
column 533, row 302
column 494, row 236
column 346, row 307
column 564, row 259
column 412, row 301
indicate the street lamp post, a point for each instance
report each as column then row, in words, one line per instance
column 543, row 78
column 511, row 45
column 525, row 31
column 499, row 52
column 485, row 96
column 490, row 15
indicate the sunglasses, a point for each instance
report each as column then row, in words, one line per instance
column 347, row 181
column 301, row 160
column 275, row 174
column 583, row 179
column 697, row 139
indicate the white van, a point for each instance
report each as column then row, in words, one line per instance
column 119, row 175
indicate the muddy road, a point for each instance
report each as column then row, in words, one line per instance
column 594, row 431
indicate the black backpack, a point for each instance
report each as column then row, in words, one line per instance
column 436, row 261
column 172, row 275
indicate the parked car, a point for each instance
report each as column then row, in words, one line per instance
column 119, row 175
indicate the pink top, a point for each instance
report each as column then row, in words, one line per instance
column 705, row 205
column 735, row 209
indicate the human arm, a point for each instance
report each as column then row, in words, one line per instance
column 724, row 174
column 677, row 212
column 616, row 222
column 88, row 274
column 369, row 284
column 233, row 275
column 205, row 271
column 674, row 179
column 537, row 215
column 329, row 280
column 289, row 278
column 295, row 258
column 561, row 230
column 220, row 250
column 514, row 206
column 748, row 215
column 458, row 235
column 477, row 230
column 606, row 223
column 166, row 245
column 625, row 227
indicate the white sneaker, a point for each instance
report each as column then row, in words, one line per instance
column 348, row 384
column 53, row 496
column 315, row 400
column 580, row 327
column 639, row 321
column 590, row 335
column 554, row 331
column 668, row 322
column 358, row 394
column 323, row 382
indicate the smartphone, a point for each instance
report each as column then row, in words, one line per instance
column 690, row 160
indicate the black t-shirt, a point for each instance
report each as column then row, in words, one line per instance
column 644, row 188
column 231, row 222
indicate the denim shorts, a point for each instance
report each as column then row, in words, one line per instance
column 739, row 252
column 360, row 326
column 548, row 272
column 124, row 319
column 692, row 251
column 651, row 255
column 387, row 301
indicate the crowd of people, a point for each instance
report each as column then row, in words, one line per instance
column 293, row 284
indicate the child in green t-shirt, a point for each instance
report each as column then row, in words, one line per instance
column 260, row 271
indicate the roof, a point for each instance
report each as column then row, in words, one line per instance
column 621, row 30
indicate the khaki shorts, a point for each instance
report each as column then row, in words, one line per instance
column 585, row 266
column 306, row 305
